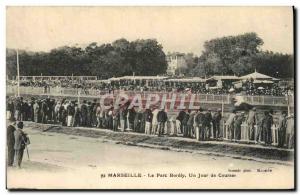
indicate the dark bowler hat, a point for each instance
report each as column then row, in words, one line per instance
column 20, row 124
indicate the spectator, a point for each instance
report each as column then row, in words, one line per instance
column 216, row 122
column 282, row 125
column 161, row 120
column 290, row 130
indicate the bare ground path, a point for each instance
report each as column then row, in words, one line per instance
column 61, row 160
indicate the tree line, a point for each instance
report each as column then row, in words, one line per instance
column 239, row 55
column 230, row 55
column 142, row 57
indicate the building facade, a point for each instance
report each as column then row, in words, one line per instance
column 175, row 62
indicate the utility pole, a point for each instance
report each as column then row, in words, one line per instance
column 18, row 72
column 288, row 104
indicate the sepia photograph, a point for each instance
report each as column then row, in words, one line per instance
column 150, row 98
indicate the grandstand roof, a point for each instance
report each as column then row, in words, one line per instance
column 224, row 77
column 193, row 79
column 138, row 78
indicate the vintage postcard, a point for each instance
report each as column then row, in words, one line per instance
column 150, row 98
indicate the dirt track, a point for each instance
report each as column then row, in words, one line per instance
column 62, row 161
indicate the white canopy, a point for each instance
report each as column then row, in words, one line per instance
column 256, row 75
column 263, row 81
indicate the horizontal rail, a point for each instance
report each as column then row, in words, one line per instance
column 205, row 98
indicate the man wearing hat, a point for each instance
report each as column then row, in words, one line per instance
column 70, row 114
column 44, row 111
column 290, row 131
column 76, row 116
column 282, row 122
column 56, row 111
column 216, row 121
column 32, row 102
column 122, row 114
column 267, row 123
column 9, row 109
column 21, row 140
column 18, row 108
column 162, row 118
column 196, row 121
column 148, row 119
column 207, row 124
column 116, row 117
column 238, row 124
column 10, row 141
column 178, row 128
column 184, row 123
column 36, row 111
column 230, row 126
column 93, row 113
column 154, row 121
column 251, row 122
column 84, row 113
column 89, row 114
column 137, row 122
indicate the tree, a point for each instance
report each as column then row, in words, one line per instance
column 274, row 64
column 144, row 57
column 225, row 55
column 147, row 57
column 241, row 55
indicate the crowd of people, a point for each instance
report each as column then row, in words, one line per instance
column 261, row 127
column 201, row 124
column 198, row 88
column 273, row 90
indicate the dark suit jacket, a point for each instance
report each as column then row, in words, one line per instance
column 162, row 116
column 10, row 136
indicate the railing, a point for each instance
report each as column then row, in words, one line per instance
column 206, row 98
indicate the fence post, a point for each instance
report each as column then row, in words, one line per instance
column 274, row 135
column 212, row 131
column 244, row 132
column 255, row 132
column 225, row 130
column 222, row 107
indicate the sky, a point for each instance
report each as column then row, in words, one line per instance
column 178, row 29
